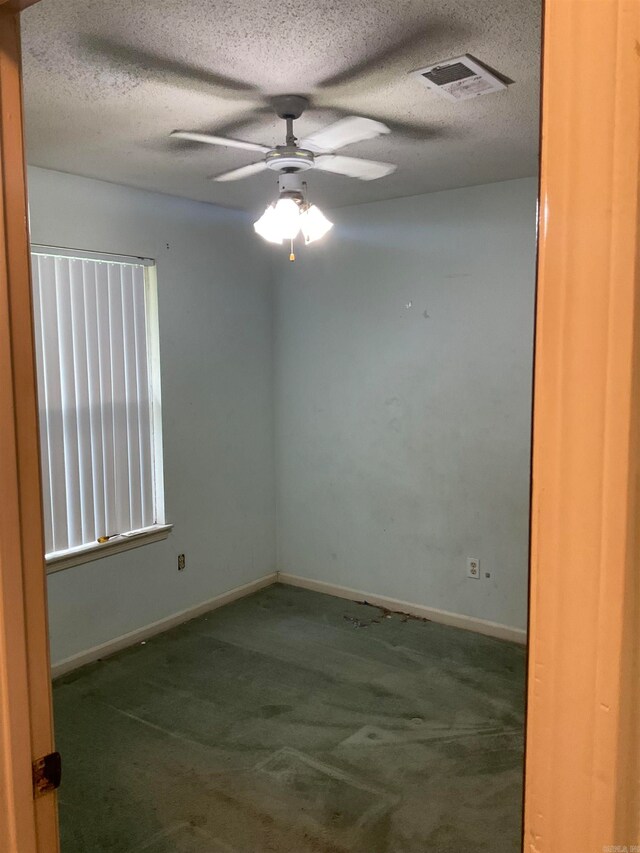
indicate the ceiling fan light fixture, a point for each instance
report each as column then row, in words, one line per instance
column 314, row 224
column 280, row 221
column 292, row 214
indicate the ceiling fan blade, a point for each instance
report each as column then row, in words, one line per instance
column 149, row 64
column 412, row 130
column 242, row 172
column 220, row 140
column 353, row 167
column 376, row 68
column 346, row 131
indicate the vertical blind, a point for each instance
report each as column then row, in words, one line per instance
column 95, row 398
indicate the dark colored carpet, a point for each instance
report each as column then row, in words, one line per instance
column 294, row 721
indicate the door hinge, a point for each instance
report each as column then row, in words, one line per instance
column 47, row 772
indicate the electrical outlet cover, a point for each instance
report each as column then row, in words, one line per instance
column 473, row 567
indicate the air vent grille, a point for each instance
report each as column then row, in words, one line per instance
column 460, row 78
column 444, row 74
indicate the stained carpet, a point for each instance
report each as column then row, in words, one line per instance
column 294, row 721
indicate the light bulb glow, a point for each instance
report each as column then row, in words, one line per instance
column 314, row 224
column 287, row 215
column 285, row 219
column 267, row 226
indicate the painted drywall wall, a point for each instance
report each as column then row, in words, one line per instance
column 403, row 386
column 215, row 309
column 403, row 362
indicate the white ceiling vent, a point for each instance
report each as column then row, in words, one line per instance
column 459, row 78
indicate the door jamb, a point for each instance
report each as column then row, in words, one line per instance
column 28, row 824
column 582, row 789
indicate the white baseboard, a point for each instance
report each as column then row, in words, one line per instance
column 456, row 620
column 133, row 637
column 480, row 626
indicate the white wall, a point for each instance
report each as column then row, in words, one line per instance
column 403, row 365
column 402, row 440
column 215, row 305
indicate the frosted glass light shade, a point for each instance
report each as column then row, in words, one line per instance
column 287, row 216
column 314, row 224
column 285, row 219
column 267, row 226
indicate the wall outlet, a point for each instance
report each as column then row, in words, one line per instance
column 473, row 567
column 182, row 562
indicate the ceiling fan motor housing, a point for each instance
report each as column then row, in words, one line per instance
column 289, row 157
column 291, row 185
column 289, row 106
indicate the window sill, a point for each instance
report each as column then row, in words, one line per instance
column 87, row 553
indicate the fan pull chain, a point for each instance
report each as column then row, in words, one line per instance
column 292, row 254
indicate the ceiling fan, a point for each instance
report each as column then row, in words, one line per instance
column 293, row 159
column 292, row 213
column 316, row 151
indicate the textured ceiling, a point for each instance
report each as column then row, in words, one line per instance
column 106, row 82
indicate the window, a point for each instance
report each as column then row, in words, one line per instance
column 96, row 334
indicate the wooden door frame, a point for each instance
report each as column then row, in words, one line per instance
column 27, row 824
column 582, row 780
column 582, row 785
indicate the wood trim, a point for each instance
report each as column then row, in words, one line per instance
column 18, row 5
column 581, row 786
column 89, row 553
column 25, row 704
